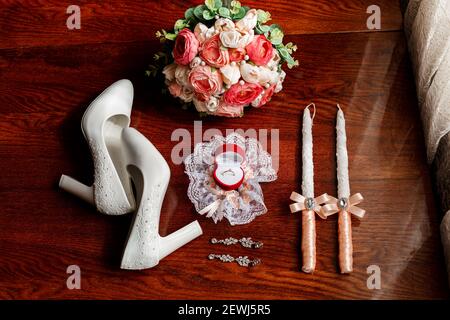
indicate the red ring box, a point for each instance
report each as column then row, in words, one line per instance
column 228, row 172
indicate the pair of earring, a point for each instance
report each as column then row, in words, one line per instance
column 243, row 261
column 326, row 205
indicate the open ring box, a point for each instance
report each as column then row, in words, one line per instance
column 228, row 172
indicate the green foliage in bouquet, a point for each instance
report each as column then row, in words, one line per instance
column 207, row 13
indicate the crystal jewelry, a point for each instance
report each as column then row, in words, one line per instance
column 245, row 242
column 243, row 261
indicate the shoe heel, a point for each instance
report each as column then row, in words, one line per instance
column 179, row 238
column 76, row 188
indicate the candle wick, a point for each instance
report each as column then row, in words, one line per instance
column 314, row 113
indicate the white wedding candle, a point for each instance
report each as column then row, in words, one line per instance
column 344, row 220
column 308, row 216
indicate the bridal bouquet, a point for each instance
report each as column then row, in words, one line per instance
column 224, row 57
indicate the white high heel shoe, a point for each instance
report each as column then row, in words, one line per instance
column 150, row 174
column 102, row 126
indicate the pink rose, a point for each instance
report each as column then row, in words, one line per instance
column 205, row 81
column 242, row 94
column 226, row 110
column 213, row 54
column 260, row 50
column 175, row 89
column 267, row 95
column 237, row 55
column 186, row 47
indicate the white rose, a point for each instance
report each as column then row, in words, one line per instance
column 281, row 78
column 235, row 39
column 224, row 24
column 230, row 39
column 268, row 76
column 250, row 73
column 186, row 95
column 258, row 75
column 248, row 22
column 169, row 71
column 212, row 104
column 182, row 75
column 246, row 38
column 202, row 33
column 196, row 62
column 200, row 105
column 275, row 61
column 230, row 74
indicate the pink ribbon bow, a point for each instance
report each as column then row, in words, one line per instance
column 335, row 205
column 301, row 203
column 222, row 196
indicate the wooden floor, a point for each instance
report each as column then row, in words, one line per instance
column 49, row 74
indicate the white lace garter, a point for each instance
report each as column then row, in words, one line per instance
column 239, row 206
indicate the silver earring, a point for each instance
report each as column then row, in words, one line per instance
column 245, row 242
column 243, row 261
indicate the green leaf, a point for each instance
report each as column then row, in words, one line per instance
column 170, row 36
column 198, row 12
column 208, row 15
column 189, row 14
column 180, row 25
column 263, row 16
column 276, row 36
column 210, row 4
column 224, row 13
column 239, row 14
column 235, row 4
column 235, row 7
column 262, row 29
column 213, row 5
column 284, row 53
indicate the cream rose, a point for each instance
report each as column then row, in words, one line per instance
column 224, row 24
column 230, row 39
column 268, row 76
column 274, row 62
column 248, row 22
column 235, row 39
column 230, row 73
column 169, row 71
column 281, row 78
column 182, row 75
column 212, row 104
column 196, row 62
column 203, row 33
column 258, row 75
column 186, row 94
column 250, row 73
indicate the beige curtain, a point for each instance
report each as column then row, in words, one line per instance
column 427, row 29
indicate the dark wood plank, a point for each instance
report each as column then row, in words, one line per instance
column 43, row 94
column 43, row 22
